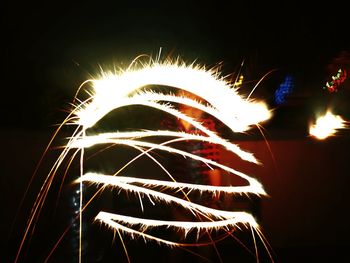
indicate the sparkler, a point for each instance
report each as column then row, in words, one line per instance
column 327, row 125
column 114, row 90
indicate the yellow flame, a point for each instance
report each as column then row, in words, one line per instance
column 327, row 125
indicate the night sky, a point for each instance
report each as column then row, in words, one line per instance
column 50, row 48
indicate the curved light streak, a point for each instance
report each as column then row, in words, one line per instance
column 126, row 88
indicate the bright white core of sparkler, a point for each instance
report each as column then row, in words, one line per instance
column 327, row 125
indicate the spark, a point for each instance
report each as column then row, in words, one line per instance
column 114, row 180
column 191, row 206
column 239, row 82
column 116, row 90
column 144, row 224
column 218, row 98
column 327, row 125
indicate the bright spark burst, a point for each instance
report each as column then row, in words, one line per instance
column 125, row 88
column 327, row 125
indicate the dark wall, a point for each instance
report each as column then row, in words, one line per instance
column 303, row 215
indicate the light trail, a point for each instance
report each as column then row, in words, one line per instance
column 114, row 180
column 220, row 99
column 143, row 225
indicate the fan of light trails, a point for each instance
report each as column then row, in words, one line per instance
column 327, row 125
column 219, row 98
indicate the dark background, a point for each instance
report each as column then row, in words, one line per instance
column 49, row 48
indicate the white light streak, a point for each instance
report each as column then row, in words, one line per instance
column 114, row 180
column 96, row 178
column 143, row 225
column 219, row 99
column 112, row 91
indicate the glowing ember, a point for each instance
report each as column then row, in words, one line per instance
column 125, row 88
column 327, row 125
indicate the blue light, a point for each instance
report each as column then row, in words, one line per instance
column 285, row 88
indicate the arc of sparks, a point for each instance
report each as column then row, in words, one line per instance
column 110, row 91
column 113, row 91
column 126, row 88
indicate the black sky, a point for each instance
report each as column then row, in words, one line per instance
column 49, row 48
